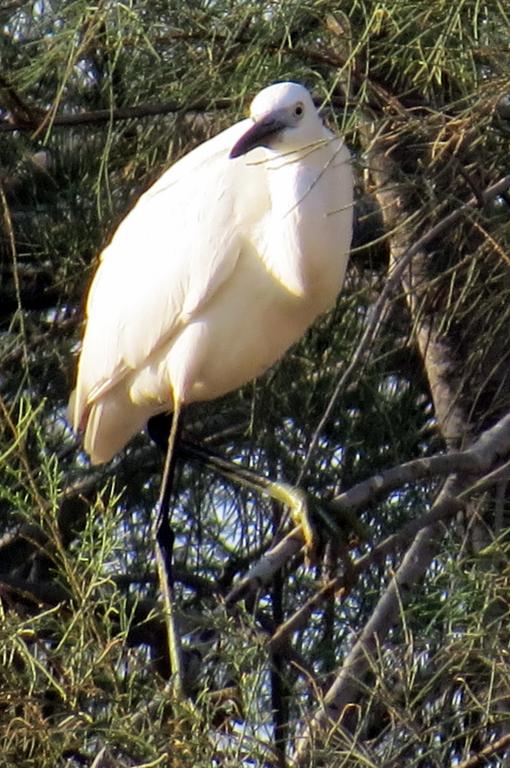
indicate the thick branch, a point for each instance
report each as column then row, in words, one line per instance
column 335, row 709
column 492, row 444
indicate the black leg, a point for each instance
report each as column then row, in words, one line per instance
column 164, row 536
column 159, row 427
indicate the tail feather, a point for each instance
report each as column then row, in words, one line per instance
column 111, row 422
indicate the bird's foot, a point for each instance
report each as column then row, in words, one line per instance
column 298, row 502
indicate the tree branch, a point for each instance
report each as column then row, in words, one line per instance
column 101, row 116
column 487, row 752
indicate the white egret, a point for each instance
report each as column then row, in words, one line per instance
column 221, row 265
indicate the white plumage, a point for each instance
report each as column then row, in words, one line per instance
column 221, row 265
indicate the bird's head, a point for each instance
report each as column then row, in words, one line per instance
column 284, row 118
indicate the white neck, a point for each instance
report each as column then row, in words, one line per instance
column 292, row 181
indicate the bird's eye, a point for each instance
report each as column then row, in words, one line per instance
column 299, row 109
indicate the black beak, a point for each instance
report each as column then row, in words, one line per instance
column 257, row 136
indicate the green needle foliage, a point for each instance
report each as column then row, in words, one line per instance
column 96, row 100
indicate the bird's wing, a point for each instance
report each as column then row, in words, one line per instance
column 167, row 258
